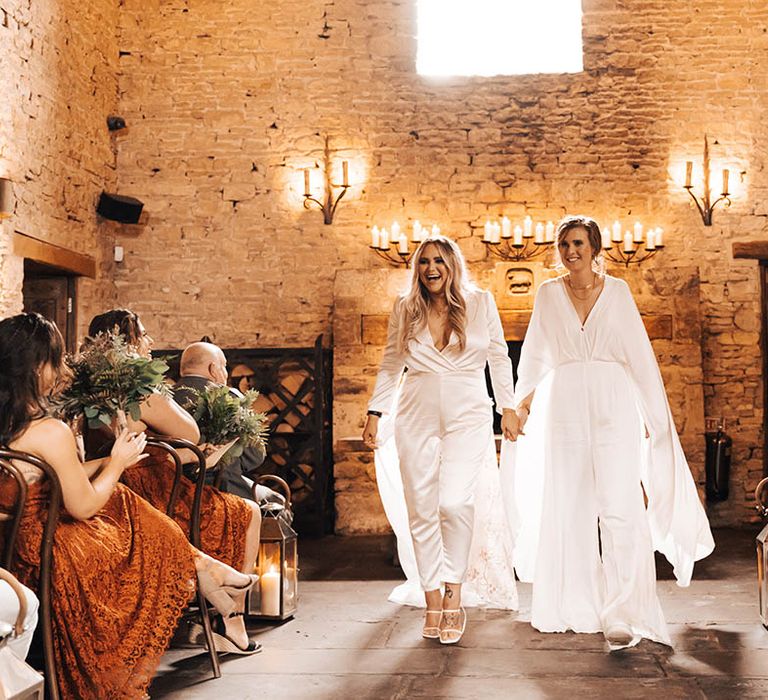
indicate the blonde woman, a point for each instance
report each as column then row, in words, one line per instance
column 442, row 332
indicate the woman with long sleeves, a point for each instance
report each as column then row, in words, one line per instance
column 443, row 331
column 587, row 368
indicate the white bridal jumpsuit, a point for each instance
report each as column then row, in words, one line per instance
column 597, row 386
column 444, row 438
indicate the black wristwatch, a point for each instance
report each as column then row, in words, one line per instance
column 375, row 413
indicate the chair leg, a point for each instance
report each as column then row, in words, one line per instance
column 205, row 619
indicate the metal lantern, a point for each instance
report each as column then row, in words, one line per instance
column 275, row 595
column 761, row 496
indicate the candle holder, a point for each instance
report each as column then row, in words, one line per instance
column 705, row 207
column 522, row 243
column 328, row 206
column 395, row 247
column 631, row 248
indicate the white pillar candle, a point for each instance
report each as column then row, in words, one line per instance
column 527, row 227
column 651, row 242
column 616, row 228
column 270, row 593
column 395, row 231
column 402, row 245
column 659, row 237
column 506, row 228
column 435, row 230
column 345, row 173
column 418, row 235
column 306, row 182
column 549, row 236
column 518, row 236
column 384, row 239
column 725, row 181
column 628, row 243
column 375, row 237
column 638, row 232
column 539, row 233
column 688, row 173
column 488, row 234
column 496, row 226
column 606, row 237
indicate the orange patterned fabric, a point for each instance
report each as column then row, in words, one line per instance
column 224, row 518
column 120, row 582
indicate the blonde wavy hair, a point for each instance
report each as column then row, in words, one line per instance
column 415, row 302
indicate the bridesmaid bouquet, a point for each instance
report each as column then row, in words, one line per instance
column 110, row 380
column 223, row 416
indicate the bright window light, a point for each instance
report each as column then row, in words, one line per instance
column 499, row 37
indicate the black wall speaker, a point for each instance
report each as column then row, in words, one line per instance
column 126, row 210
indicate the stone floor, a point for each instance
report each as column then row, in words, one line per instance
column 347, row 641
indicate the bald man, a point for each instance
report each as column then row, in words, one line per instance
column 203, row 365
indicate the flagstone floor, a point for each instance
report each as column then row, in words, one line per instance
column 347, row 641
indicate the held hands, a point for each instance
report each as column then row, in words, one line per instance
column 510, row 425
column 129, row 448
column 370, row 431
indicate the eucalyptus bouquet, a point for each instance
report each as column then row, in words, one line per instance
column 223, row 416
column 110, row 380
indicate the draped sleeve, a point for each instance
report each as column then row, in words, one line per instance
column 392, row 364
column 498, row 357
column 538, row 356
column 678, row 523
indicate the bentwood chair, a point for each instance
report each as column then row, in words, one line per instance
column 9, row 460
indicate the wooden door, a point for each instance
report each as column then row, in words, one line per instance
column 51, row 294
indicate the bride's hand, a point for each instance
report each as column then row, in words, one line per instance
column 370, row 431
column 510, row 425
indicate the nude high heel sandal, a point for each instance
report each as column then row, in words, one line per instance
column 432, row 631
column 455, row 624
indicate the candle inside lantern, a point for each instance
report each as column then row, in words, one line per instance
column 384, row 239
column 688, row 173
column 488, row 232
column 527, row 227
column 628, row 243
column 725, row 181
column 518, row 236
column 538, row 236
column 638, row 232
column 375, row 237
column 549, row 235
column 418, row 235
column 306, row 182
column 616, row 232
column 506, row 228
column 270, row 593
column 402, row 245
column 651, row 243
column 345, row 173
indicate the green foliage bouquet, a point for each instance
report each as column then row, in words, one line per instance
column 223, row 416
column 110, row 380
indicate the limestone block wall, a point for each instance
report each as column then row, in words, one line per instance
column 58, row 83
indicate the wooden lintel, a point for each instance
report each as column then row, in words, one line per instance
column 753, row 250
column 66, row 260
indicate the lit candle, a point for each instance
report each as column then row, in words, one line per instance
column 375, row 237
column 496, row 227
column 402, row 246
column 527, row 227
column 606, row 238
column 688, row 173
column 384, row 239
column 518, row 236
column 345, row 173
column 395, row 232
column 651, row 243
column 506, row 228
column 488, row 235
column 306, row 182
column 616, row 228
column 418, row 235
column 435, row 230
column 539, row 235
column 659, row 237
column 725, row 182
column 550, row 232
column 628, row 243
column 270, row 593
column 638, row 232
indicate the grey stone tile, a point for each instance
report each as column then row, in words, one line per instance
column 732, row 688
column 743, row 663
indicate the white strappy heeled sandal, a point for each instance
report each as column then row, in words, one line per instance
column 432, row 631
column 452, row 619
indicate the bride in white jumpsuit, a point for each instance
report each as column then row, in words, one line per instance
column 443, row 330
column 606, row 428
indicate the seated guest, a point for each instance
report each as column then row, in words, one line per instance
column 123, row 572
column 230, row 525
column 203, row 365
column 9, row 612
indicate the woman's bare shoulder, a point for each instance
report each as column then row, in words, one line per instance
column 43, row 436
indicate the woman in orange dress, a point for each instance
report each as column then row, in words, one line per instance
column 230, row 525
column 122, row 571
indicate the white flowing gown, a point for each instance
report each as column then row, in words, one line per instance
column 578, row 470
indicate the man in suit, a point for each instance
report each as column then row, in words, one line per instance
column 202, row 365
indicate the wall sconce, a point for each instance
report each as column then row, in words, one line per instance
column 628, row 248
column 703, row 205
column 6, row 198
column 393, row 245
column 328, row 206
column 521, row 243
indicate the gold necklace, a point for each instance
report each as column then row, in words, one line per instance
column 588, row 288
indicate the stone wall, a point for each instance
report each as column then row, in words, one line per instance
column 58, row 82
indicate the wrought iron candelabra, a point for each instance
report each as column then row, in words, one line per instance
column 705, row 207
column 328, row 206
column 632, row 247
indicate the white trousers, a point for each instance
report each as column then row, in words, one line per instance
column 442, row 431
